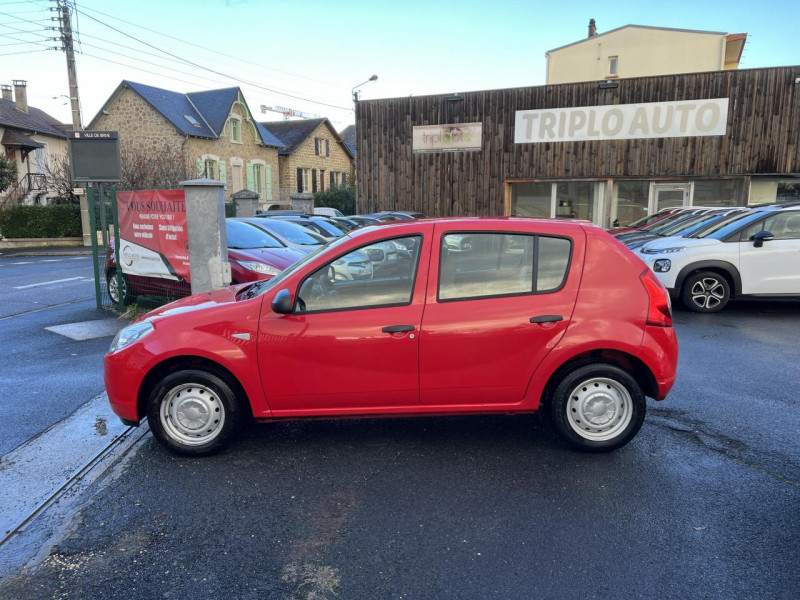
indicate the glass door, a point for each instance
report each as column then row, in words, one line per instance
column 671, row 195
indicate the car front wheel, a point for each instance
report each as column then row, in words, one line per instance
column 706, row 292
column 598, row 408
column 193, row 412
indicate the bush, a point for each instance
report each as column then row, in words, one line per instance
column 343, row 198
column 57, row 220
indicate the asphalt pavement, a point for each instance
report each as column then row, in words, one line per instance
column 702, row 504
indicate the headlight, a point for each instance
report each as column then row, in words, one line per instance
column 259, row 267
column 130, row 334
column 663, row 250
column 662, row 265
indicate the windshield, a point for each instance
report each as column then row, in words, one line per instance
column 670, row 223
column 243, row 236
column 663, row 222
column 262, row 286
column 330, row 227
column 291, row 232
column 722, row 230
column 710, row 227
column 687, row 223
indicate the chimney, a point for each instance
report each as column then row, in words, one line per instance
column 6, row 92
column 20, row 95
column 592, row 28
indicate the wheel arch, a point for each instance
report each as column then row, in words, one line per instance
column 726, row 269
column 177, row 363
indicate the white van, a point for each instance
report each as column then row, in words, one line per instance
column 327, row 211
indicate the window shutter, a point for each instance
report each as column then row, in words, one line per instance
column 251, row 180
column 313, row 181
column 327, row 148
column 269, row 182
column 344, row 179
column 299, row 180
column 201, row 168
column 223, row 172
column 333, row 181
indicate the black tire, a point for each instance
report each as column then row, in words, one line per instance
column 111, row 287
column 580, row 396
column 705, row 292
column 202, row 421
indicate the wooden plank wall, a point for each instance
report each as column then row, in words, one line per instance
column 763, row 137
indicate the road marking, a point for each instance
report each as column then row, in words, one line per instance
column 79, row 258
column 33, row 285
column 53, row 260
column 26, row 262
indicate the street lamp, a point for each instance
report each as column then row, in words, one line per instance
column 355, row 101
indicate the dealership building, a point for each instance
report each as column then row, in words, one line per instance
column 608, row 151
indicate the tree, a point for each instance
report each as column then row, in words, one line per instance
column 343, row 198
column 58, row 179
column 8, row 173
column 161, row 169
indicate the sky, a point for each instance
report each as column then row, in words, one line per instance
column 307, row 55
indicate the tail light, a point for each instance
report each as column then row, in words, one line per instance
column 659, row 310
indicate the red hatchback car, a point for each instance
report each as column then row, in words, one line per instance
column 530, row 314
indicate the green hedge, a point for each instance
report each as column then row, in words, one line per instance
column 343, row 198
column 56, row 220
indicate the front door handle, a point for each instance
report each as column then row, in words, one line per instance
column 547, row 319
column 397, row 328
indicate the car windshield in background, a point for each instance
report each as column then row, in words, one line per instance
column 721, row 230
column 294, row 233
column 243, row 236
column 329, row 227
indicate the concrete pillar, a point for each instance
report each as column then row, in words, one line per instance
column 246, row 203
column 208, row 243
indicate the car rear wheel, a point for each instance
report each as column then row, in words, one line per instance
column 193, row 412
column 706, row 292
column 116, row 290
column 598, row 407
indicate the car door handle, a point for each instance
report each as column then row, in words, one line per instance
column 547, row 319
column 397, row 328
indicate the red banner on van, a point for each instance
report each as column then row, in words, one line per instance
column 153, row 237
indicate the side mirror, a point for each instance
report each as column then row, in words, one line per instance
column 282, row 303
column 761, row 237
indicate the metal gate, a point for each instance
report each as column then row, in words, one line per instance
column 104, row 227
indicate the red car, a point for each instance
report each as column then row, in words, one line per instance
column 253, row 255
column 530, row 314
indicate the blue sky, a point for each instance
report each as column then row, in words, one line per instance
column 318, row 50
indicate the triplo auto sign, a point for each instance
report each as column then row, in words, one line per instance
column 458, row 137
column 685, row 118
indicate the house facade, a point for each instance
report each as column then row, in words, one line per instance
column 215, row 130
column 639, row 50
column 314, row 159
column 34, row 141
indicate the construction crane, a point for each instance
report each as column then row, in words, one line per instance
column 287, row 112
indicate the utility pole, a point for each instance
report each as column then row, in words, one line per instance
column 65, row 27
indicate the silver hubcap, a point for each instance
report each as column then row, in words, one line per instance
column 113, row 289
column 192, row 414
column 708, row 292
column 599, row 409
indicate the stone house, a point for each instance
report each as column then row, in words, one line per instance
column 32, row 140
column 215, row 129
column 314, row 158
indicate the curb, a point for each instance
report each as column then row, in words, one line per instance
column 45, row 252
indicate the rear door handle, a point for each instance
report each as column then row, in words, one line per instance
column 547, row 319
column 397, row 328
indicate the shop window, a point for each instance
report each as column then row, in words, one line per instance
column 768, row 191
column 577, row 200
column 718, row 192
column 531, row 199
column 629, row 202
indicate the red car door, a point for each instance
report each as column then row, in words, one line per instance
column 356, row 349
column 492, row 312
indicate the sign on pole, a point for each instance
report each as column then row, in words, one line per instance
column 94, row 156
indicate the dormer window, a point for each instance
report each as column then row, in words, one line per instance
column 192, row 120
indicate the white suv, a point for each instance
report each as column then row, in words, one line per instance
column 756, row 253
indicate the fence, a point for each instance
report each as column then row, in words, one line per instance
column 113, row 287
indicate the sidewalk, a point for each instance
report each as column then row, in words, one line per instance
column 46, row 251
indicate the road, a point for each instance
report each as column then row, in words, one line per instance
column 45, row 376
column 703, row 504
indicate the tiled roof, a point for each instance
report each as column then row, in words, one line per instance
column 35, row 121
column 198, row 114
column 292, row 133
column 349, row 136
column 12, row 138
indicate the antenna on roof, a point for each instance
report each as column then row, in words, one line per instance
column 287, row 112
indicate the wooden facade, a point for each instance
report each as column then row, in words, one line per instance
column 763, row 137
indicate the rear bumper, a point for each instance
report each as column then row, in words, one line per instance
column 660, row 353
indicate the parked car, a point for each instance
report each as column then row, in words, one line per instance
column 755, row 254
column 288, row 233
column 643, row 222
column 684, row 227
column 320, row 225
column 252, row 253
column 538, row 314
column 327, row 211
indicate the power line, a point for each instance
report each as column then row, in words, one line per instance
column 25, row 52
column 188, row 62
column 260, row 66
